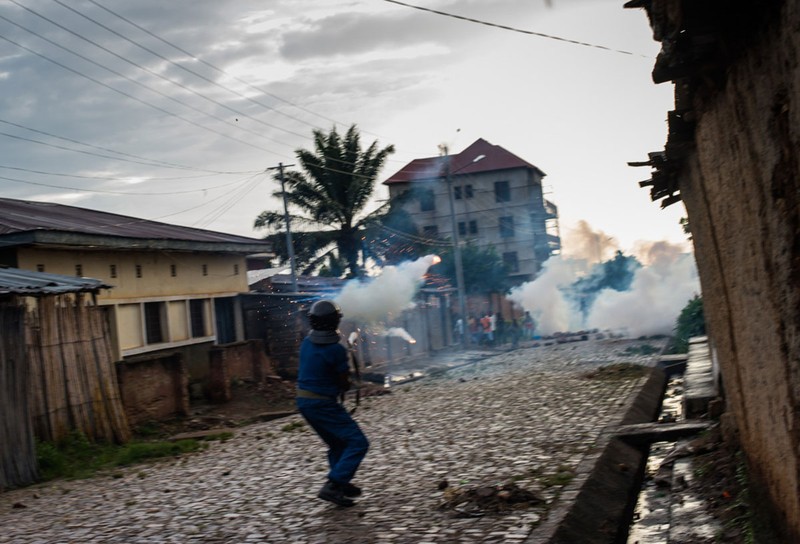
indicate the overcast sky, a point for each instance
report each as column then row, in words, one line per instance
column 174, row 110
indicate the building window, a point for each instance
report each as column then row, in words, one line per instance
column 430, row 231
column 79, row 270
column 511, row 261
column 173, row 270
column 197, row 316
column 40, row 268
column 205, row 270
column 468, row 193
column 236, row 270
column 426, row 201
column 502, row 192
column 154, row 322
column 507, row 227
column 138, row 271
column 462, row 228
column 457, row 192
column 112, row 271
column 473, row 227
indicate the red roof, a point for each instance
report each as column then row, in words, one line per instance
column 481, row 156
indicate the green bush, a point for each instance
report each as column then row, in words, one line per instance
column 691, row 322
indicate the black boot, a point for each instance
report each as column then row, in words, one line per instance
column 334, row 493
column 350, row 490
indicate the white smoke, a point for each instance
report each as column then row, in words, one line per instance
column 389, row 293
column 544, row 297
column 400, row 333
column 658, row 293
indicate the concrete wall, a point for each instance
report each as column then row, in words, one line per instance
column 740, row 187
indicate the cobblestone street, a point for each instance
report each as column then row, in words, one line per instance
column 521, row 416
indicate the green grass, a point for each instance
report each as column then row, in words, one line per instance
column 76, row 457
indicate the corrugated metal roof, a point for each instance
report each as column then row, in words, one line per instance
column 26, row 282
column 492, row 158
column 18, row 216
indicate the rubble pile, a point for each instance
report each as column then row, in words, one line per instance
column 488, row 499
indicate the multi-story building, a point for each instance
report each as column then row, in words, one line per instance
column 497, row 200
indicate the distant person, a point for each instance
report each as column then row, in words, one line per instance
column 324, row 377
column 516, row 332
column 474, row 327
column 499, row 329
column 528, row 325
column 488, row 335
column 458, row 331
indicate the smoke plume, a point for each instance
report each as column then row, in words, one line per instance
column 658, row 291
column 381, row 297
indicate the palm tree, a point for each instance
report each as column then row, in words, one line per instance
column 330, row 194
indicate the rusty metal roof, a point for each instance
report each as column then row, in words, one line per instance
column 14, row 281
column 481, row 156
column 23, row 221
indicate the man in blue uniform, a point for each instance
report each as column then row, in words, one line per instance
column 323, row 376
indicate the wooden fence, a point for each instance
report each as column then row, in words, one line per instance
column 17, row 447
column 73, row 374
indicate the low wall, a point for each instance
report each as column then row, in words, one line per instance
column 239, row 361
column 154, row 388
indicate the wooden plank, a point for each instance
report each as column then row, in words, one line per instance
column 647, row 433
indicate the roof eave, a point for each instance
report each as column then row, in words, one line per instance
column 99, row 241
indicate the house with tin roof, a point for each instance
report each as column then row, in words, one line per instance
column 175, row 289
column 497, row 201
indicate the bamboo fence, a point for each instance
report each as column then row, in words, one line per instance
column 17, row 446
column 74, row 381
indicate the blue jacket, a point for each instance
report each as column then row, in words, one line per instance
column 321, row 366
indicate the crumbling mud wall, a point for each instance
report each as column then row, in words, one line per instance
column 733, row 158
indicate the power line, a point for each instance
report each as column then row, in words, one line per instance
column 128, row 95
column 28, row 182
column 512, row 29
column 140, row 84
column 221, row 71
column 156, row 54
column 144, row 161
column 217, row 69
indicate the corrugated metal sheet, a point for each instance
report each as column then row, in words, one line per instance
column 23, row 216
column 14, row 281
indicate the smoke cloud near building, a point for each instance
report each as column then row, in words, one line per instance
column 663, row 284
column 386, row 295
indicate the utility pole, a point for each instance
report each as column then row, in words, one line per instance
column 462, row 305
column 289, row 244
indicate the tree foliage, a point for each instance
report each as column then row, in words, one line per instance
column 327, row 199
column 484, row 270
column 691, row 322
column 616, row 274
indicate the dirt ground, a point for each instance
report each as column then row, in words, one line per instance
column 250, row 403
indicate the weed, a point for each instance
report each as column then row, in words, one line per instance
column 294, row 425
column 563, row 476
column 76, row 457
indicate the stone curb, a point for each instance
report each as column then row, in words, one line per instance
column 596, row 506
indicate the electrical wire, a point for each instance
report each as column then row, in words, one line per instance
column 227, row 74
column 139, row 83
column 512, row 29
column 159, row 164
column 101, row 191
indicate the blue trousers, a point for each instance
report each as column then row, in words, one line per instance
column 347, row 444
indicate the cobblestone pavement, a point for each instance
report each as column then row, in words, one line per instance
column 520, row 415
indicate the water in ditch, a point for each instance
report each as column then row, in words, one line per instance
column 651, row 516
